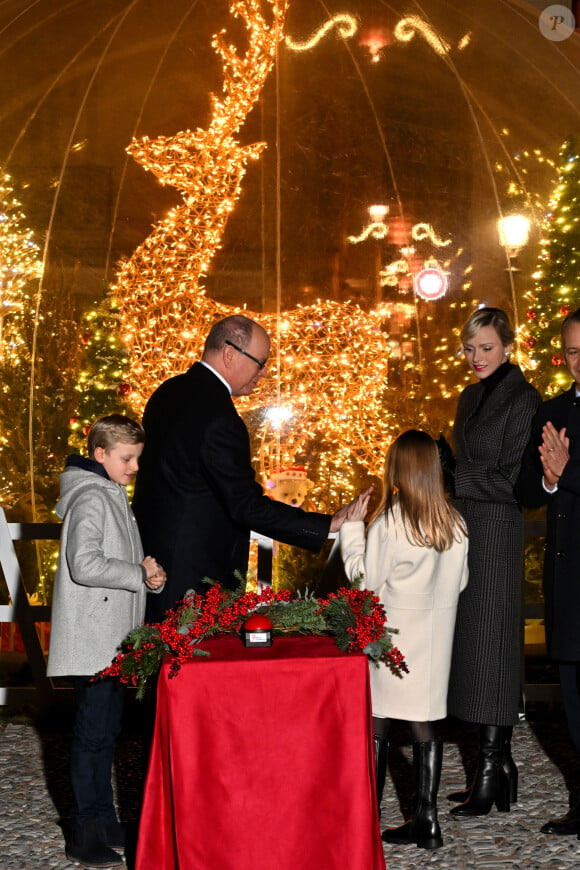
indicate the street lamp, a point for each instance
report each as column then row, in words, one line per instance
column 513, row 231
column 378, row 213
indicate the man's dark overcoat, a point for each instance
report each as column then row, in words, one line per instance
column 196, row 497
column 562, row 554
column 490, row 433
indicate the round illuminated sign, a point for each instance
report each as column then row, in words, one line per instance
column 430, row 284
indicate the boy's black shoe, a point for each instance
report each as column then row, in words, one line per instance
column 113, row 834
column 87, row 848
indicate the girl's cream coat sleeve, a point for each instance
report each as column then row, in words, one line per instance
column 368, row 559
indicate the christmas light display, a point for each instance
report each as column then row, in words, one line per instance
column 102, row 386
column 20, row 265
column 342, row 380
column 42, row 343
column 163, row 309
column 329, row 361
column 557, row 278
column 20, row 269
column 529, row 174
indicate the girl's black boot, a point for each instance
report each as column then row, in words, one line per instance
column 423, row 829
column 381, row 763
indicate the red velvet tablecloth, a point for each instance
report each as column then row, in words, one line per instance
column 262, row 758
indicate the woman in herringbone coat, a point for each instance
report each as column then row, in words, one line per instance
column 491, row 430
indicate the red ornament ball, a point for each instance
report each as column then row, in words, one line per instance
column 530, row 342
column 557, row 359
column 86, row 430
column 86, row 337
column 73, row 420
column 258, row 622
column 124, row 389
column 565, row 310
column 532, row 313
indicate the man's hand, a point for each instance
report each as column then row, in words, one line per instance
column 554, row 453
column 355, row 510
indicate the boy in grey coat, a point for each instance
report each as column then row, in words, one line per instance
column 99, row 596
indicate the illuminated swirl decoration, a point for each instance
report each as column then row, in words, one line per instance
column 345, row 25
column 426, row 231
column 408, row 27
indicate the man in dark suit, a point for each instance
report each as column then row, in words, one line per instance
column 196, row 497
column 550, row 475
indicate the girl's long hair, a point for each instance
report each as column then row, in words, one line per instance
column 414, row 481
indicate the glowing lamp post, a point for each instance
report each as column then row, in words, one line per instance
column 378, row 213
column 514, row 232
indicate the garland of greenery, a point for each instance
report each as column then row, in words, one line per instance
column 355, row 617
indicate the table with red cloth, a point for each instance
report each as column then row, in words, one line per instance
column 262, row 757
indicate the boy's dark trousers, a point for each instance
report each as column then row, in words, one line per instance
column 99, row 708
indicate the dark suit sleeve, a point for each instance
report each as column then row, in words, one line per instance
column 226, row 462
column 570, row 479
column 528, row 489
column 496, row 483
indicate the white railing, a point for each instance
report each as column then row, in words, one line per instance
column 22, row 612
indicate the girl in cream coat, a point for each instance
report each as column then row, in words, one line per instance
column 414, row 558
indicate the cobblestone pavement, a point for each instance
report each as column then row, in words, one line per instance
column 34, row 798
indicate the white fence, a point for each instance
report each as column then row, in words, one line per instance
column 22, row 612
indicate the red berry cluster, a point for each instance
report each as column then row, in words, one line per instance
column 396, row 658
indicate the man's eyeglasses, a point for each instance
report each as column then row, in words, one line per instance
column 261, row 363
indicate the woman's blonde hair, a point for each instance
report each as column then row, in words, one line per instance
column 495, row 317
column 414, row 481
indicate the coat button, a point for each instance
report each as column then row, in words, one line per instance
column 560, row 555
column 560, row 516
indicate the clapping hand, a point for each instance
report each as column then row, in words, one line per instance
column 554, row 453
